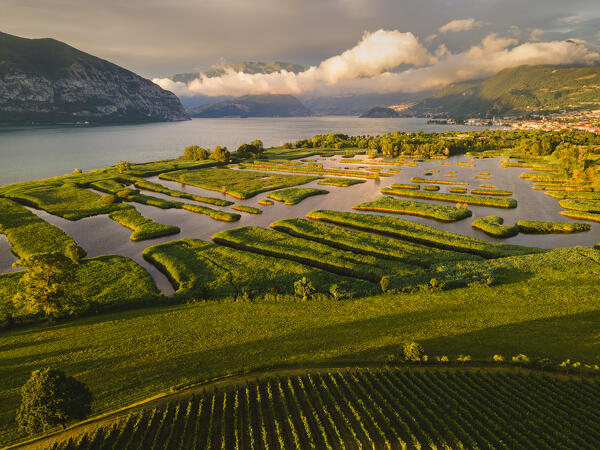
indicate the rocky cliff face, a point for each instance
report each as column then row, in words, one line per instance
column 43, row 80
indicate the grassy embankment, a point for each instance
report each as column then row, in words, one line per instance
column 494, row 226
column 369, row 243
column 397, row 206
column 143, row 228
column 28, row 234
column 237, row 183
column 280, row 245
column 206, row 270
column 293, row 196
column 339, row 182
column 499, row 192
column 126, row 356
column 422, row 234
column 429, row 180
column 247, row 209
column 493, row 202
column 307, row 169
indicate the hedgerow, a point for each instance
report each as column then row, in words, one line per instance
column 538, row 227
column 293, row 196
column 455, row 198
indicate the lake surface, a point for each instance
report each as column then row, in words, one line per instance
column 100, row 235
column 29, row 153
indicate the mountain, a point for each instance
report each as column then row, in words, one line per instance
column 251, row 67
column 44, row 80
column 380, row 112
column 269, row 105
column 515, row 92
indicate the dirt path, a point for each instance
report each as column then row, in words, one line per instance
column 162, row 399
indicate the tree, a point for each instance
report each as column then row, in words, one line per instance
column 43, row 285
column 304, row 289
column 413, row 352
column 51, row 398
column 258, row 144
column 220, row 154
column 123, row 166
column 195, row 153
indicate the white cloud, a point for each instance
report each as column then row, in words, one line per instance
column 366, row 68
column 570, row 20
column 460, row 25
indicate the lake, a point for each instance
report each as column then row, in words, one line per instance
column 29, row 153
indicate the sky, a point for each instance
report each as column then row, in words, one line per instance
column 420, row 41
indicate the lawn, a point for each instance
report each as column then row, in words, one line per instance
column 237, row 183
column 131, row 355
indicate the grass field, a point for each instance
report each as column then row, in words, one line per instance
column 369, row 243
column 28, row 234
column 237, row 183
column 130, row 355
column 491, row 192
column 494, row 226
column 66, row 200
column 293, row 196
column 592, row 206
column 429, row 180
column 101, row 282
column 581, row 215
column 315, row 254
column 143, row 228
column 478, row 200
column 204, row 270
column 397, row 206
column 422, row 234
column 369, row 408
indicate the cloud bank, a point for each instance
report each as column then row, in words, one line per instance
column 368, row 67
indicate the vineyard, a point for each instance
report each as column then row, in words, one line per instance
column 367, row 408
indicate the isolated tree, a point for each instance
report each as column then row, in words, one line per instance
column 413, row 352
column 42, row 287
column 51, row 398
column 220, row 154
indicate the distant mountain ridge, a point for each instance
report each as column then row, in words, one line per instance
column 47, row 81
column 517, row 91
column 380, row 112
column 269, row 105
column 250, row 67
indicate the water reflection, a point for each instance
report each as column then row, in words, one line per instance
column 100, row 235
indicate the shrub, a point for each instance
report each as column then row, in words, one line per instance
column 413, row 352
column 123, row 166
column 76, row 170
column 385, row 284
column 108, row 199
column 336, row 292
column 51, row 398
column 497, row 358
column 304, row 289
column 521, row 359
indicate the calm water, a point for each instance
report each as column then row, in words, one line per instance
column 29, row 153
column 100, row 235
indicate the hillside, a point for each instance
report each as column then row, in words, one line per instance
column 251, row 67
column 44, row 80
column 254, row 106
column 516, row 91
column 379, row 112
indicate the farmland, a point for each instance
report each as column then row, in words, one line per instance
column 362, row 408
column 309, row 292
